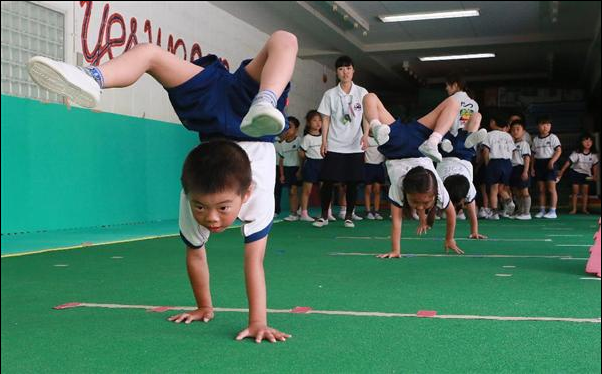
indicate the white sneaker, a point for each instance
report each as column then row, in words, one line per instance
column 493, row 216
column 355, row 217
column 331, row 218
column 370, row 216
column 380, row 133
column 540, row 214
column 306, row 218
column 523, row 217
column 475, row 138
column 342, row 214
column 415, row 216
column 66, row 80
column 550, row 215
column 349, row 223
column 483, row 212
column 461, row 216
column 320, row 222
column 291, row 218
column 378, row 216
column 509, row 208
column 261, row 120
column 430, row 151
column 446, row 146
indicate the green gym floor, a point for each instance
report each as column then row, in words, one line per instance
column 531, row 269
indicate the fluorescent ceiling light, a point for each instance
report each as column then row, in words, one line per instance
column 429, row 15
column 457, row 57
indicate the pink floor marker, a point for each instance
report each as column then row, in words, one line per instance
column 159, row 309
column 67, row 306
column 301, row 309
column 426, row 313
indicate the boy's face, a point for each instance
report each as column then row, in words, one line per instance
column 291, row 133
column 345, row 74
column 544, row 128
column 517, row 132
column 216, row 211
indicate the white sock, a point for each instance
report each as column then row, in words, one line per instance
column 435, row 139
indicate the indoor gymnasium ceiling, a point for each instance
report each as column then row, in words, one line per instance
column 556, row 42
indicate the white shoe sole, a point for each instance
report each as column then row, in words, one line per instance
column 475, row 138
column 45, row 75
column 429, row 152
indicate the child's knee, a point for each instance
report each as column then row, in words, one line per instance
column 286, row 38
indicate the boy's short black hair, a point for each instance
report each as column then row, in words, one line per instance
column 457, row 187
column 544, row 119
column 216, row 166
column 518, row 122
column 294, row 121
column 343, row 61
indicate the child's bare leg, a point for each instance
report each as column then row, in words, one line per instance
column 367, row 194
column 541, row 186
column 575, row 190
column 168, row 69
column 274, row 64
column 305, row 196
column 375, row 110
column 376, row 197
column 553, row 194
column 293, row 200
column 493, row 191
column 441, row 119
column 585, row 196
column 378, row 117
column 473, row 123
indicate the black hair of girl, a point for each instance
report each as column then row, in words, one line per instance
column 343, row 61
column 586, row 135
column 420, row 180
column 457, row 79
column 308, row 117
column 294, row 121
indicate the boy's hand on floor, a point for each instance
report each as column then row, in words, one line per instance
column 201, row 314
column 261, row 332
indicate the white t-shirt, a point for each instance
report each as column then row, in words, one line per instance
column 344, row 137
column 544, row 148
column 521, row 149
column 500, row 144
column 289, row 152
column 311, row 144
column 583, row 163
column 256, row 214
column 467, row 108
column 397, row 170
column 373, row 156
column 453, row 166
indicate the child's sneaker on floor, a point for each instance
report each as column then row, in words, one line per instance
column 306, row 218
column 540, row 214
column 550, row 215
column 349, row 223
column 291, row 218
column 475, row 138
column 461, row 216
column 523, row 217
column 378, row 216
column 331, row 217
column 66, row 80
column 370, row 216
column 355, row 217
column 261, row 120
column 430, row 151
column 320, row 222
column 493, row 216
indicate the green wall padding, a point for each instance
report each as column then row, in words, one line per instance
column 72, row 168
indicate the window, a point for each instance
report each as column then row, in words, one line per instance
column 29, row 30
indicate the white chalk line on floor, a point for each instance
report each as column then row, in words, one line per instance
column 345, row 313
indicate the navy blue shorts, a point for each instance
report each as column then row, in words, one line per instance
column 311, row 170
column 404, row 140
column 577, row 178
column 214, row 102
column 374, row 173
column 516, row 181
column 460, row 151
column 542, row 173
column 290, row 176
column 498, row 171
